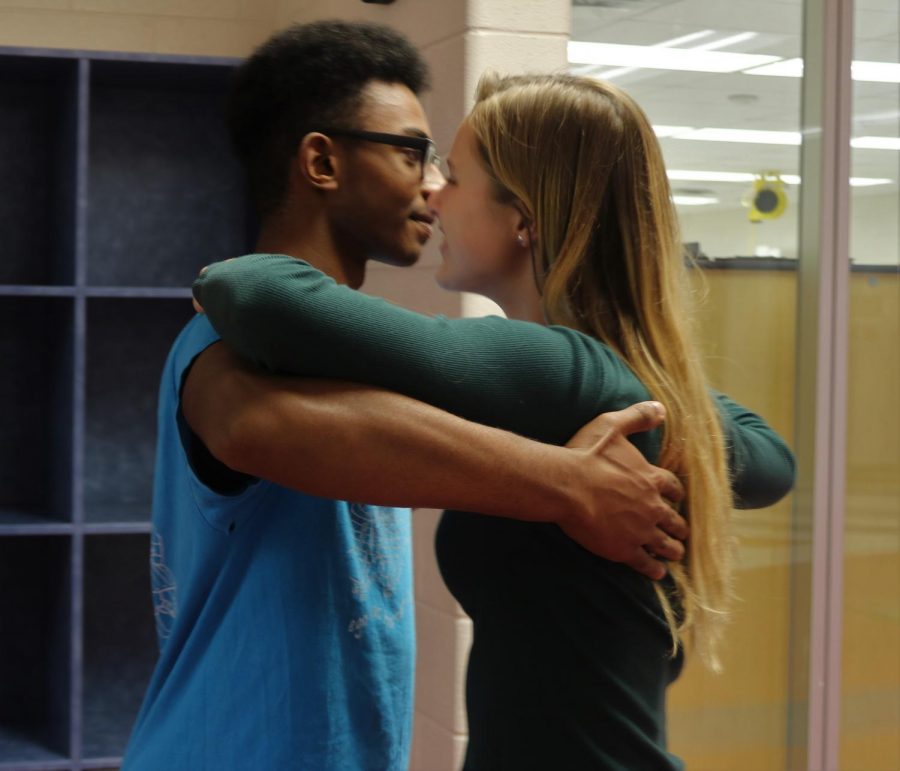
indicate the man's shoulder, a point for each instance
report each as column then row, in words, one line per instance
column 195, row 337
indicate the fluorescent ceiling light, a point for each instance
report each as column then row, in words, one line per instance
column 687, row 175
column 786, row 68
column 680, row 41
column 741, row 135
column 869, row 72
column 675, row 41
column 670, row 131
column 752, row 136
column 876, row 72
column 869, row 181
column 659, row 58
column 876, row 143
column 694, row 200
column 731, row 40
column 704, row 58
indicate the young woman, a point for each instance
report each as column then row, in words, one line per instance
column 557, row 207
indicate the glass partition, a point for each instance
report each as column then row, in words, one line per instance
column 721, row 85
column 870, row 671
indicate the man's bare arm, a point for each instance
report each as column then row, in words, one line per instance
column 354, row 442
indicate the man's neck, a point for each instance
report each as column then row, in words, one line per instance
column 306, row 241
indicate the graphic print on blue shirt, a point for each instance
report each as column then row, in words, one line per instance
column 378, row 545
column 165, row 598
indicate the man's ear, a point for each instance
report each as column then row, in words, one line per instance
column 317, row 162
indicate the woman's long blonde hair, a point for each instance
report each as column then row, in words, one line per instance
column 581, row 160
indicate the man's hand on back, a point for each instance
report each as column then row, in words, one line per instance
column 630, row 516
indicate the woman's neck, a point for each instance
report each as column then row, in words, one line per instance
column 524, row 311
column 521, row 300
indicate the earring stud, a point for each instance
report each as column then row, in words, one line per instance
column 520, row 239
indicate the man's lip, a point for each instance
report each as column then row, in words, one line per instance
column 425, row 227
column 428, row 219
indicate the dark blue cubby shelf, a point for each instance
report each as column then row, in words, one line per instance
column 35, row 671
column 38, row 152
column 120, row 408
column 37, row 345
column 118, row 185
column 191, row 203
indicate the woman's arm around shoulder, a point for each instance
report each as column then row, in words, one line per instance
column 287, row 317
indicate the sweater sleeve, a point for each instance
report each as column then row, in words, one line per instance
column 287, row 317
column 542, row 382
column 763, row 469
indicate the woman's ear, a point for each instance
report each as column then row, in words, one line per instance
column 525, row 233
column 317, row 162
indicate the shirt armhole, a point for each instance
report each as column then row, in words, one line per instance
column 208, row 470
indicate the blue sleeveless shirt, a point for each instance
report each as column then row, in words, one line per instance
column 285, row 621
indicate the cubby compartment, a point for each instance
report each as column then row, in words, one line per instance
column 127, row 343
column 35, row 616
column 120, row 648
column 37, row 165
column 36, row 385
column 166, row 193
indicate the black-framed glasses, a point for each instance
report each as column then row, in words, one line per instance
column 428, row 153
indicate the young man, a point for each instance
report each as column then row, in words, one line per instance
column 285, row 617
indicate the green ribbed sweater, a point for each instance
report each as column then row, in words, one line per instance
column 569, row 663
